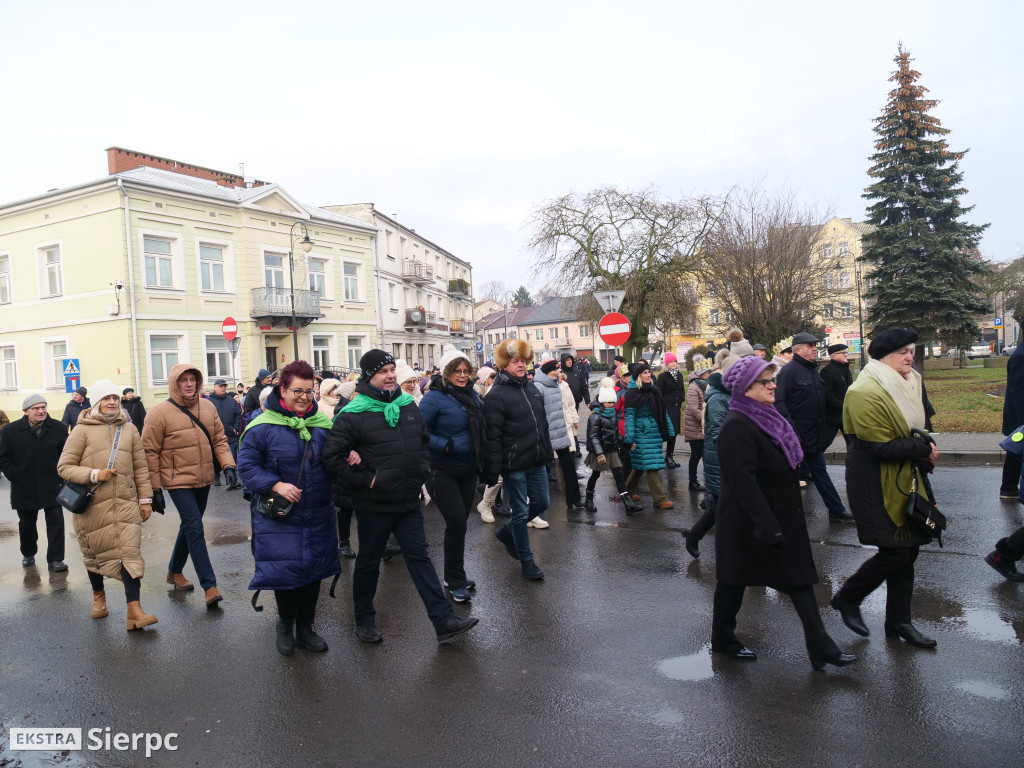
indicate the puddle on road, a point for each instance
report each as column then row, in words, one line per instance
column 696, row 666
column 985, row 624
column 984, row 690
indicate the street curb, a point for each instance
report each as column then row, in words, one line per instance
column 947, row 459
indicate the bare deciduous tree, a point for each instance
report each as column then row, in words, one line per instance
column 493, row 290
column 610, row 239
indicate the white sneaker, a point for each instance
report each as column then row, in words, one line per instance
column 538, row 522
column 803, row 483
column 485, row 512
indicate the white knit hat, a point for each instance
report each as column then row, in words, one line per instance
column 450, row 355
column 103, row 388
column 346, row 390
column 403, row 373
column 606, row 395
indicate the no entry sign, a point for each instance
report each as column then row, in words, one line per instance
column 229, row 328
column 614, row 329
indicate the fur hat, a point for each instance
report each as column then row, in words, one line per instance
column 606, row 395
column 104, row 388
column 511, row 348
column 449, row 356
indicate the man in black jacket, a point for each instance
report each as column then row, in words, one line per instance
column 29, row 452
column 574, row 378
column 79, row 402
column 378, row 449
column 252, row 397
column 519, row 448
column 800, row 398
column 837, row 378
column 133, row 405
column 230, row 414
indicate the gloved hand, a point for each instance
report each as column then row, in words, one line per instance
column 490, row 479
column 105, row 474
column 145, row 510
column 158, row 501
column 231, row 476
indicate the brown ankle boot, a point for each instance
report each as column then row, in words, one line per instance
column 138, row 618
column 99, row 605
column 213, row 597
column 180, row 582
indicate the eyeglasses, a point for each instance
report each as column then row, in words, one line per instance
column 301, row 392
column 766, row 382
column 461, row 372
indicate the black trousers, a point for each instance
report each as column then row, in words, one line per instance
column 728, row 601
column 298, row 604
column 29, row 536
column 1011, row 474
column 696, row 454
column 132, row 586
column 707, row 520
column 344, row 524
column 374, row 530
column 567, row 463
column 454, row 490
column 1012, row 546
column 626, row 461
column 895, row 567
column 620, row 481
column 670, row 446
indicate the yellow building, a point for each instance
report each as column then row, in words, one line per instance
column 135, row 272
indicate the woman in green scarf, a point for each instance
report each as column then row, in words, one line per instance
column 882, row 406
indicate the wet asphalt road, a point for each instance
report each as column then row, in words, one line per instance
column 605, row 663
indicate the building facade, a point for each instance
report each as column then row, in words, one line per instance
column 135, row 272
column 424, row 292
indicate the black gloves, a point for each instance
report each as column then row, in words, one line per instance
column 490, row 479
column 231, row 476
column 158, row 501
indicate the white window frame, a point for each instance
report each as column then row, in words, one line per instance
column 828, row 280
column 332, row 350
column 826, row 252
column 42, row 271
column 183, row 352
column 845, row 309
column 229, row 372
column 360, row 288
column 364, row 341
column 393, row 297
column 844, row 249
column 177, row 259
column 228, row 264
column 328, row 273
column 828, row 311
column 274, row 250
column 5, row 381
column 553, row 332
column 584, row 331
column 844, row 280
column 50, row 379
column 540, row 334
column 714, row 317
column 6, row 279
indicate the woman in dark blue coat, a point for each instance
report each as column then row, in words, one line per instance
column 454, row 418
column 293, row 554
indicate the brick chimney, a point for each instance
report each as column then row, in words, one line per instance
column 120, row 160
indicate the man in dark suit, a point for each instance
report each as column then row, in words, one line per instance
column 837, row 377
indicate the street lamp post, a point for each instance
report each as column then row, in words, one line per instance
column 860, row 306
column 307, row 245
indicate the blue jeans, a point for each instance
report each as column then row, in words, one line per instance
column 521, row 485
column 191, row 504
column 819, row 475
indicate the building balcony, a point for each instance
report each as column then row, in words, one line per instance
column 458, row 287
column 417, row 272
column 271, row 305
column 460, row 327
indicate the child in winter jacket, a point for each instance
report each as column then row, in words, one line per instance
column 603, row 444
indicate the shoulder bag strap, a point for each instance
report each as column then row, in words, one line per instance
column 202, row 426
column 113, row 448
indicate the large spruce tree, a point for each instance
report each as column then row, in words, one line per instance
column 924, row 258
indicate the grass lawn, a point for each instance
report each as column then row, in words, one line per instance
column 963, row 399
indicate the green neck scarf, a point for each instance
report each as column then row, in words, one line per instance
column 362, row 403
column 302, row 425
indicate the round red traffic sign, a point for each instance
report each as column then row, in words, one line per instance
column 229, row 328
column 614, row 329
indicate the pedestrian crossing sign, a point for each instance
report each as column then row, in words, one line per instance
column 71, row 367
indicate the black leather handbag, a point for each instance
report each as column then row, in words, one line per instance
column 274, row 506
column 75, row 497
column 920, row 512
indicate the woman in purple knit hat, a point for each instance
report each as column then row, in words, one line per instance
column 760, row 534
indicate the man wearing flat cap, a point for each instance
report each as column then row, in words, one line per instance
column 230, row 414
column 800, row 398
column 760, row 350
column 29, row 452
column 837, row 377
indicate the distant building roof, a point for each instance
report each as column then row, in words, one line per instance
column 553, row 310
column 497, row 320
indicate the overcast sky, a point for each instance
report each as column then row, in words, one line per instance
column 462, row 117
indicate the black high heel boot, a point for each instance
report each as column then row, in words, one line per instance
column 908, row 632
column 839, row 660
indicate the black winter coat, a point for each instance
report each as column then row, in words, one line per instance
column 603, row 430
column 136, row 412
column 252, row 398
column 30, row 462
column 72, row 411
column 760, row 532
column 230, row 416
column 673, row 392
column 576, row 379
column 837, row 379
column 800, row 398
column 517, row 426
column 1013, row 405
column 394, row 459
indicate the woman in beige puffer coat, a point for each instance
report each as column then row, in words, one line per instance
column 109, row 532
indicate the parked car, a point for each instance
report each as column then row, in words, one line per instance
column 976, row 350
column 1009, row 350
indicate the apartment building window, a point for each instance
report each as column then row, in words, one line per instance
column 584, row 331
column 317, row 282
column 844, row 280
column 5, row 279
column 844, row 249
column 54, row 354
column 164, row 354
column 829, row 311
column 218, row 358
column 829, row 280
column 159, row 262
column 540, row 334
column 826, row 252
column 354, row 346
column 9, row 368
column 729, row 316
column 869, row 283
column 211, row 267
column 553, row 332
column 51, row 271
column 321, row 352
column 714, row 316
column 527, row 335
column 393, row 298
column 845, row 310
column 273, row 270
column 351, row 282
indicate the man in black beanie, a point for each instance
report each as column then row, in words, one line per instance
column 378, row 449
column 837, row 377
